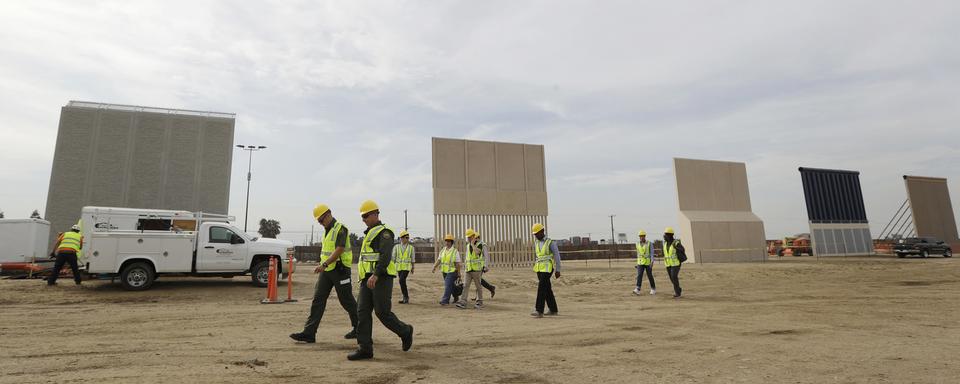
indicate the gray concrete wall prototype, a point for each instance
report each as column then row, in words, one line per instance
column 139, row 157
column 932, row 209
column 716, row 222
column 499, row 189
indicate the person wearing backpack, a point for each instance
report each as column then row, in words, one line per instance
column 673, row 256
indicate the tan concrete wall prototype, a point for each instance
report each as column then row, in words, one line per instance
column 716, row 221
column 499, row 189
column 932, row 209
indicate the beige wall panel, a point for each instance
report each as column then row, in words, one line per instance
column 481, row 200
column 535, row 168
column 450, row 200
column 739, row 189
column 482, row 165
column 511, row 177
column 537, row 203
column 449, row 164
column 932, row 209
column 511, row 202
column 714, row 202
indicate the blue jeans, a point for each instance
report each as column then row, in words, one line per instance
column 449, row 279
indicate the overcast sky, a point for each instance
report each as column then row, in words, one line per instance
column 352, row 91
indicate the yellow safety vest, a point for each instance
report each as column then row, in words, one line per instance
column 670, row 258
column 330, row 245
column 475, row 261
column 448, row 260
column 643, row 253
column 71, row 242
column 544, row 261
column 369, row 256
column 402, row 257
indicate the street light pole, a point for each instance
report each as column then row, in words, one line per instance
column 613, row 239
column 251, row 149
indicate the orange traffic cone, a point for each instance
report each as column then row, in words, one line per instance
column 290, row 298
column 272, row 284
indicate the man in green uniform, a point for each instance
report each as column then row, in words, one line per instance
column 336, row 257
column 376, row 270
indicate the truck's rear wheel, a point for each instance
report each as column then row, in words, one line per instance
column 137, row 276
column 260, row 273
column 948, row 253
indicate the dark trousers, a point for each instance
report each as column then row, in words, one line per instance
column 485, row 284
column 449, row 280
column 338, row 279
column 65, row 258
column 403, row 283
column 377, row 300
column 674, row 273
column 545, row 293
column 649, row 269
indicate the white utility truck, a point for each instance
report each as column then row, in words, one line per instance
column 138, row 245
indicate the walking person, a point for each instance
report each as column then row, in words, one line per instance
column 376, row 270
column 68, row 246
column 476, row 263
column 449, row 263
column 547, row 263
column 404, row 256
column 336, row 258
column 673, row 257
column 644, row 264
column 486, row 267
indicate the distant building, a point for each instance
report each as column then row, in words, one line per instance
column 139, row 157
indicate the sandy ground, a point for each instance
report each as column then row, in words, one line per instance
column 864, row 320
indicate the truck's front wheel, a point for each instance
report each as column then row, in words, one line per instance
column 137, row 276
column 260, row 273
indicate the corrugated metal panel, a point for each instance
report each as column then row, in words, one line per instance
column 833, row 196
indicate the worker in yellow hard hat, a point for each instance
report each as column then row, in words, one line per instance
column 673, row 256
column 336, row 258
column 376, row 270
column 546, row 265
column 482, row 247
column 450, row 265
column 404, row 256
column 644, row 263
column 476, row 263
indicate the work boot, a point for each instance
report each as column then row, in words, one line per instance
column 493, row 292
column 536, row 314
column 351, row 335
column 303, row 337
column 360, row 354
column 406, row 341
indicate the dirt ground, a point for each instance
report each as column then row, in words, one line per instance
column 800, row 320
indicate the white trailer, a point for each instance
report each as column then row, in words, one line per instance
column 139, row 245
column 24, row 240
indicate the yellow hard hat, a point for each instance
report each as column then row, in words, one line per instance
column 319, row 210
column 470, row 233
column 368, row 206
column 668, row 230
column 404, row 234
column 448, row 237
column 536, row 228
column 642, row 233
